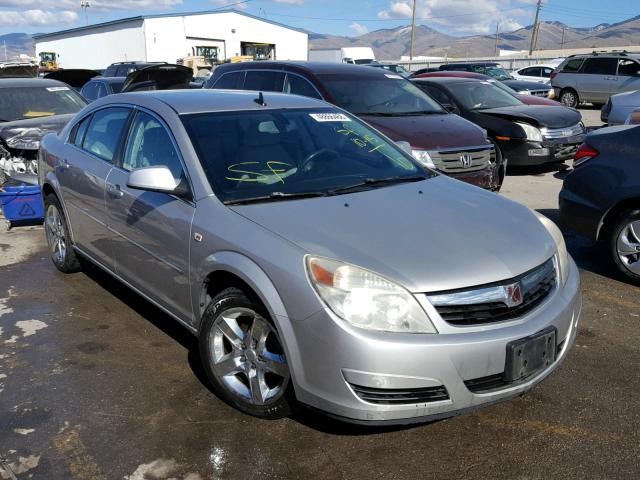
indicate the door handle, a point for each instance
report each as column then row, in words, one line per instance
column 114, row 191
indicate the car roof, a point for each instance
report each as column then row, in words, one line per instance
column 447, row 80
column 109, row 79
column 213, row 100
column 30, row 82
column 315, row 68
column 467, row 64
column 635, row 56
column 454, row 74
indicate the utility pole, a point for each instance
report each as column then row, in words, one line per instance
column 534, row 30
column 84, row 5
column 413, row 29
column 495, row 54
column 562, row 42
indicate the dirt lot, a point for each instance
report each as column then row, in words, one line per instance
column 95, row 383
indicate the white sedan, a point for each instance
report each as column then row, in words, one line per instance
column 534, row 73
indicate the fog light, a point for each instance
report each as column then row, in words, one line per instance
column 539, row 152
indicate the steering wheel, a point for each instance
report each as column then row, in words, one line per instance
column 307, row 164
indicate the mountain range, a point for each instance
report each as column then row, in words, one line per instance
column 391, row 43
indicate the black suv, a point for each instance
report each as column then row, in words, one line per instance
column 122, row 69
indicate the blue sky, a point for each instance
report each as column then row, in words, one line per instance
column 340, row 17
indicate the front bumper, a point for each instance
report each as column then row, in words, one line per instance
column 487, row 178
column 522, row 152
column 333, row 356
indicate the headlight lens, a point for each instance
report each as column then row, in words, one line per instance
column 366, row 300
column 25, row 138
column 531, row 132
column 562, row 255
column 423, row 157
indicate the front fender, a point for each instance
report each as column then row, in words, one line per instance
column 247, row 270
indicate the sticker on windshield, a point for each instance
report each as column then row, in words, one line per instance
column 391, row 75
column 329, row 117
column 57, row 89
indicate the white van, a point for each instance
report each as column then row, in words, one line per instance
column 358, row 55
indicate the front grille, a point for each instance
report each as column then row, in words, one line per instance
column 491, row 383
column 539, row 93
column 553, row 133
column 496, row 302
column 451, row 161
column 393, row 396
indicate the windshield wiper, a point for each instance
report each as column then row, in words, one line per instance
column 275, row 196
column 371, row 182
column 374, row 114
column 421, row 112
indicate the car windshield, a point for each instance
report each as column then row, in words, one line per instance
column 278, row 154
column 482, row 95
column 503, row 86
column 498, row 73
column 389, row 94
column 19, row 103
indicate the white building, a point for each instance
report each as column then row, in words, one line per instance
column 165, row 38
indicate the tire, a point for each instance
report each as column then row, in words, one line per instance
column 242, row 354
column 502, row 168
column 569, row 98
column 624, row 244
column 59, row 241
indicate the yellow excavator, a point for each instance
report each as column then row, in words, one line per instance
column 48, row 62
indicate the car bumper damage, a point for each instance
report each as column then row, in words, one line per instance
column 19, row 164
column 377, row 378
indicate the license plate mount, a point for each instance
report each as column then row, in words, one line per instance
column 531, row 354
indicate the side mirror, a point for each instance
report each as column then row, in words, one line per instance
column 451, row 108
column 153, row 179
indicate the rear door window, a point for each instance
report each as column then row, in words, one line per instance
column 232, row 81
column 546, row 72
column 105, row 131
column 532, row 72
column 600, row 66
column 265, row 81
column 300, row 86
column 78, row 132
column 628, row 68
column 573, row 66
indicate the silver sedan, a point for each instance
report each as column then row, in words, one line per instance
column 315, row 260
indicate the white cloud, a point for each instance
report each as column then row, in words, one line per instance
column 36, row 17
column 290, row 2
column 459, row 16
column 509, row 25
column 359, row 28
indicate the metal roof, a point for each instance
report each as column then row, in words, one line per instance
column 161, row 15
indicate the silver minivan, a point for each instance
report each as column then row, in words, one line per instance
column 595, row 77
column 317, row 262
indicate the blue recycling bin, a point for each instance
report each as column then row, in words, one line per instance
column 22, row 205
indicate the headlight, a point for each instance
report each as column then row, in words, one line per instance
column 24, row 138
column 531, row 132
column 562, row 255
column 366, row 300
column 423, row 157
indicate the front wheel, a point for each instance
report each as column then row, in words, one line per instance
column 56, row 230
column 569, row 98
column 501, row 163
column 243, row 357
column 625, row 244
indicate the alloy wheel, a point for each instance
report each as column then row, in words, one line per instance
column 569, row 99
column 628, row 246
column 56, row 234
column 248, row 358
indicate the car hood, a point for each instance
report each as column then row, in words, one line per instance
column 439, row 234
column 535, row 100
column 430, row 132
column 161, row 77
column 33, row 129
column 526, row 85
column 549, row 116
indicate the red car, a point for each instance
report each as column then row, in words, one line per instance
column 526, row 99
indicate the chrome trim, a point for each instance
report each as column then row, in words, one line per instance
column 572, row 131
column 467, row 159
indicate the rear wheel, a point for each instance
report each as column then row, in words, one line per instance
column 569, row 98
column 56, row 230
column 243, row 356
column 625, row 244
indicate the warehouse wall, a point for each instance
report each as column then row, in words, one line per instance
column 97, row 47
column 166, row 37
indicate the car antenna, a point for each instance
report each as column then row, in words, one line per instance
column 260, row 100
